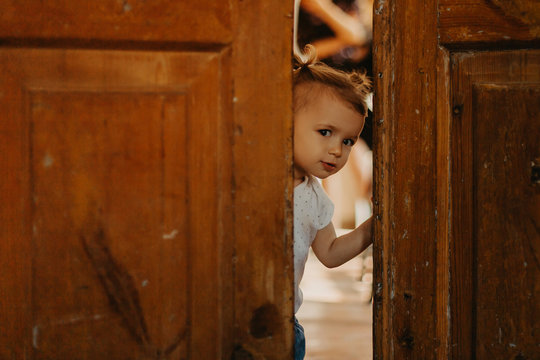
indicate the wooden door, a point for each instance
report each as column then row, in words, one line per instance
column 145, row 153
column 458, row 199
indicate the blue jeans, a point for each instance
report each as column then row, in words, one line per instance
column 299, row 341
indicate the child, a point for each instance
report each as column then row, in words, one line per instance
column 329, row 112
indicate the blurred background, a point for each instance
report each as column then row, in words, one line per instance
column 337, row 313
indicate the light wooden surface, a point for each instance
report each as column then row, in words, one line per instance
column 145, row 150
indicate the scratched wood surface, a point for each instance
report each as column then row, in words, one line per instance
column 507, row 246
column 114, row 202
column 145, row 189
column 483, row 23
column 495, row 207
column 405, row 59
column 447, row 252
column 155, row 22
column 262, row 156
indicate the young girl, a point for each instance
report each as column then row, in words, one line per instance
column 329, row 113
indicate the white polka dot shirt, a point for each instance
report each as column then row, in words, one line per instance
column 313, row 211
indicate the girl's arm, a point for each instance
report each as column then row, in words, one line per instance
column 334, row 251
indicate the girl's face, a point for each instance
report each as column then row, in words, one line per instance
column 325, row 129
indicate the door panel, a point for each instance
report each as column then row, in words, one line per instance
column 495, row 139
column 80, row 217
column 154, row 22
column 456, row 236
column 114, row 217
column 506, row 228
column 482, row 23
column 132, row 223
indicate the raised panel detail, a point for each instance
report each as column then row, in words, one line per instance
column 117, row 184
column 494, row 239
column 104, row 201
column 506, row 221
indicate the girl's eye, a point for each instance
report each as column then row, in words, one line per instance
column 324, row 132
column 348, row 142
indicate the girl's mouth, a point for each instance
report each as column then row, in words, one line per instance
column 328, row 166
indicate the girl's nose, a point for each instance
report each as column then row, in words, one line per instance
column 335, row 150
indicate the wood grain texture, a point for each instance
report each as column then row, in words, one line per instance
column 444, row 178
column 173, row 22
column 405, row 180
column 483, row 23
column 123, row 235
column 426, row 198
column 382, row 281
column 470, row 193
column 263, row 181
column 506, row 228
column 147, row 146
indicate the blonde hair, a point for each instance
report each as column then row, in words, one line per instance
column 353, row 87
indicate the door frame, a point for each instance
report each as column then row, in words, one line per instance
column 411, row 175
